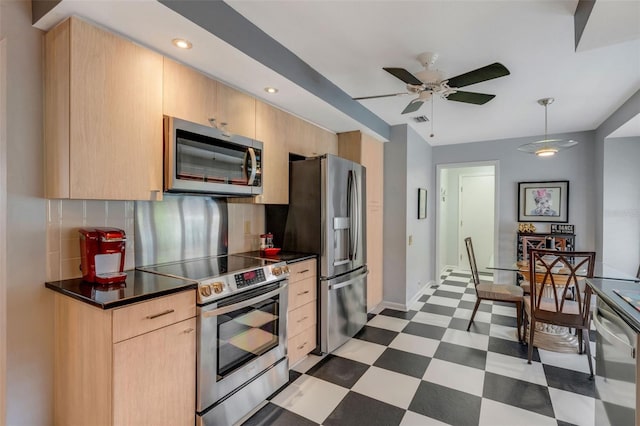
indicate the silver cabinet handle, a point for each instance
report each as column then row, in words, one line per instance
column 188, row 330
column 302, row 345
column 303, row 319
column 304, row 292
column 303, row 271
column 167, row 312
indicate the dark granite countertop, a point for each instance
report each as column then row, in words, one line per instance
column 603, row 288
column 284, row 256
column 139, row 286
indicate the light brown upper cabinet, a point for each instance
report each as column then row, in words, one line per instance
column 271, row 129
column 238, row 110
column 188, row 94
column 282, row 134
column 193, row 96
column 103, row 115
column 369, row 152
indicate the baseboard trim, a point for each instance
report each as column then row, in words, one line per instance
column 405, row 307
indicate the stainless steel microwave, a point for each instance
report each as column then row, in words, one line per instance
column 204, row 159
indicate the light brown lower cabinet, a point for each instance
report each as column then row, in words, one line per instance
column 133, row 365
column 302, row 312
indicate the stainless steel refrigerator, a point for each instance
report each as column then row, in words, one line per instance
column 327, row 217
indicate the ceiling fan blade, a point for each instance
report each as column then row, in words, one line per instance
column 413, row 106
column 380, row 96
column 404, row 75
column 489, row 72
column 470, row 97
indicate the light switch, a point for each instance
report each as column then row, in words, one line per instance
column 410, row 239
column 247, row 227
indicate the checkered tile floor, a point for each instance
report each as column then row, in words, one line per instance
column 423, row 368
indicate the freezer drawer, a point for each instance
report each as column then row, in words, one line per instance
column 343, row 309
column 615, row 378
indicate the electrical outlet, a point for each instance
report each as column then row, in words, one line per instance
column 247, row 227
column 410, row 239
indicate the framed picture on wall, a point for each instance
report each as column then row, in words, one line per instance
column 422, row 203
column 546, row 201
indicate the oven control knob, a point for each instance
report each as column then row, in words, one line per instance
column 276, row 270
column 217, row 287
column 285, row 269
column 205, row 291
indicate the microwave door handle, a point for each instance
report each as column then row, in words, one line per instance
column 244, row 304
column 254, row 165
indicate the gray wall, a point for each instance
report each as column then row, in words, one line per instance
column 621, row 200
column 575, row 165
column 29, row 304
column 407, row 267
column 629, row 109
column 395, row 218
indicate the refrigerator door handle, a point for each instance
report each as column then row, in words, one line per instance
column 352, row 206
column 357, row 216
column 348, row 282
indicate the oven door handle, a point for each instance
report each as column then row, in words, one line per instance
column 245, row 303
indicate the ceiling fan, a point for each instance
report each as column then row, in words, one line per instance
column 428, row 82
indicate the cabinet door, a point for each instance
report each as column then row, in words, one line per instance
column 154, row 380
column 238, row 110
column 115, row 116
column 270, row 129
column 188, row 94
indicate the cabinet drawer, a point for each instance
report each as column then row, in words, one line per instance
column 301, row 318
column 302, row 270
column 301, row 344
column 301, row 293
column 143, row 317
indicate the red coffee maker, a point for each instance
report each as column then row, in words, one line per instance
column 102, row 251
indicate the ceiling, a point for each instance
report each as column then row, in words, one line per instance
column 348, row 43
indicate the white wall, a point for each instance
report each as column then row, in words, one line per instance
column 621, row 199
column 29, row 304
column 407, row 265
column 575, row 165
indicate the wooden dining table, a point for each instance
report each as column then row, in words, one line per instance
column 552, row 337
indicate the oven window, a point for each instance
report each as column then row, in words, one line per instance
column 247, row 333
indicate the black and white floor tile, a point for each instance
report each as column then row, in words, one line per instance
column 423, row 368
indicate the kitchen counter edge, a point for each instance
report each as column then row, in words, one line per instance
column 283, row 256
column 603, row 288
column 139, row 286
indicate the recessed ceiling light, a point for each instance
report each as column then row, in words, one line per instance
column 271, row 90
column 181, row 43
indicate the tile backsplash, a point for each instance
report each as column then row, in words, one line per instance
column 246, row 223
column 65, row 217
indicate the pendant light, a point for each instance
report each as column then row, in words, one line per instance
column 547, row 147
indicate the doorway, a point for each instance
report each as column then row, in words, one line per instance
column 467, row 207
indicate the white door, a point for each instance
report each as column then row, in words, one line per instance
column 476, row 219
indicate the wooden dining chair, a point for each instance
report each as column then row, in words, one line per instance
column 537, row 242
column 557, row 296
column 492, row 291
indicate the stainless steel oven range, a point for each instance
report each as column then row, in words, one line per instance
column 241, row 326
